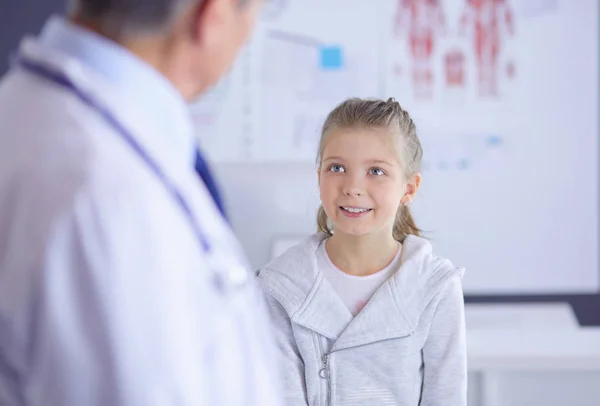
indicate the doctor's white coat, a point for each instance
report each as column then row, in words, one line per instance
column 106, row 297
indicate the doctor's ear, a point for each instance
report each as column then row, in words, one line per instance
column 207, row 18
column 214, row 21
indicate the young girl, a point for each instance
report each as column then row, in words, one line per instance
column 364, row 312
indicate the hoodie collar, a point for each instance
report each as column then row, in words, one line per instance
column 393, row 312
column 294, row 280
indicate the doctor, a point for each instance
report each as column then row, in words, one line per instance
column 120, row 281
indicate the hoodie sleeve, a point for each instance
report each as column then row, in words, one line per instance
column 445, row 353
column 290, row 362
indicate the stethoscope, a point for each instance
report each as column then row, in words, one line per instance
column 237, row 276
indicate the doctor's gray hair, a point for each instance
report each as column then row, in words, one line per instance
column 130, row 17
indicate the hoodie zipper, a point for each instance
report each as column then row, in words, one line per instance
column 324, row 373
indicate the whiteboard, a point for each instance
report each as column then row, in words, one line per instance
column 505, row 98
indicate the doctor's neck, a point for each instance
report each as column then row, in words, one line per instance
column 166, row 53
column 362, row 255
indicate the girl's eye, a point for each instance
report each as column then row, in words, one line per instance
column 376, row 171
column 336, row 168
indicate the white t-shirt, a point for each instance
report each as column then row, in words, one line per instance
column 355, row 291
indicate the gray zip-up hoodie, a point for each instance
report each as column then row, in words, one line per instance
column 405, row 348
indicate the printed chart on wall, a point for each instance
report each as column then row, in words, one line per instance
column 315, row 54
column 505, row 96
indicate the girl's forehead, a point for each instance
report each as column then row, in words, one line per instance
column 365, row 143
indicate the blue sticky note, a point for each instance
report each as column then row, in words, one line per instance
column 494, row 140
column 331, row 58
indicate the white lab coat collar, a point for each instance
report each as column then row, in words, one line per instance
column 122, row 81
column 295, row 281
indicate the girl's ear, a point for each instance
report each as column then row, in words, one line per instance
column 414, row 182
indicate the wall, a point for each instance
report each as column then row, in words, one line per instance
column 20, row 17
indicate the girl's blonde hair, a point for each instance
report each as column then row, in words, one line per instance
column 374, row 113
